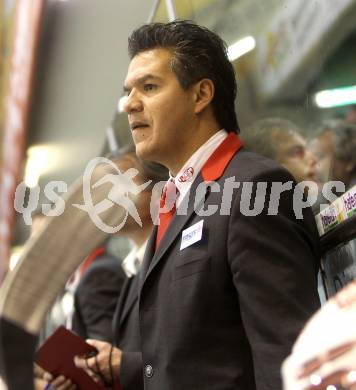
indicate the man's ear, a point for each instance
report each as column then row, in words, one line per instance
column 204, row 91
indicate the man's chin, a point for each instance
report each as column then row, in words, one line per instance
column 145, row 152
column 141, row 150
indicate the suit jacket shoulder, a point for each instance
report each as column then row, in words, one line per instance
column 95, row 298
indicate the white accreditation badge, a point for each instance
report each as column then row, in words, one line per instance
column 192, row 235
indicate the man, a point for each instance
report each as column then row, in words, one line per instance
column 335, row 146
column 124, row 362
column 350, row 116
column 220, row 304
column 95, row 297
column 281, row 140
column 97, row 284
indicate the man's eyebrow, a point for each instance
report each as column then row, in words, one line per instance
column 141, row 80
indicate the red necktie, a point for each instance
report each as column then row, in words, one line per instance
column 167, row 209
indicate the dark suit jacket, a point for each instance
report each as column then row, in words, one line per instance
column 96, row 297
column 224, row 312
column 127, row 336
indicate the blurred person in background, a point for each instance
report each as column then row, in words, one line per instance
column 350, row 117
column 92, row 293
column 98, row 292
column 281, row 140
column 335, row 146
column 95, row 297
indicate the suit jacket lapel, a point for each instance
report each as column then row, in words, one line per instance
column 127, row 299
column 131, row 297
column 118, row 310
column 174, row 228
column 147, row 258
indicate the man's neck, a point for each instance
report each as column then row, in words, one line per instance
column 193, row 144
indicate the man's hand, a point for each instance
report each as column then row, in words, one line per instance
column 105, row 366
column 42, row 378
column 59, row 383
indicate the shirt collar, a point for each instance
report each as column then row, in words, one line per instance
column 217, row 162
column 132, row 262
column 191, row 168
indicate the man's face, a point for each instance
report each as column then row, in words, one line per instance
column 323, row 149
column 160, row 112
column 293, row 154
column 330, row 167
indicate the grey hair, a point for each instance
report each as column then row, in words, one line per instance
column 344, row 138
column 260, row 136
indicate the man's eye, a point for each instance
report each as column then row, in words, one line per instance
column 298, row 152
column 149, row 87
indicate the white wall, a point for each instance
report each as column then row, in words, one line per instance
column 83, row 62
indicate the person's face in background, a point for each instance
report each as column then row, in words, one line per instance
column 323, row 149
column 351, row 116
column 294, row 155
column 329, row 167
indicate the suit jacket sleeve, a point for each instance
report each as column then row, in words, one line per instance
column 95, row 299
column 273, row 259
column 131, row 372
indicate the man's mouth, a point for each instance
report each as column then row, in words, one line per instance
column 137, row 125
column 311, row 175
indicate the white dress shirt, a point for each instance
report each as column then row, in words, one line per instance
column 187, row 174
column 132, row 262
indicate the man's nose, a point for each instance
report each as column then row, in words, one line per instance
column 311, row 157
column 133, row 103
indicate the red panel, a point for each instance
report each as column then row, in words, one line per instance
column 27, row 28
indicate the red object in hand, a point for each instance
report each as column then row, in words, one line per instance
column 56, row 356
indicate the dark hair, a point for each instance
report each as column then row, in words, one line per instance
column 198, row 53
column 148, row 170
